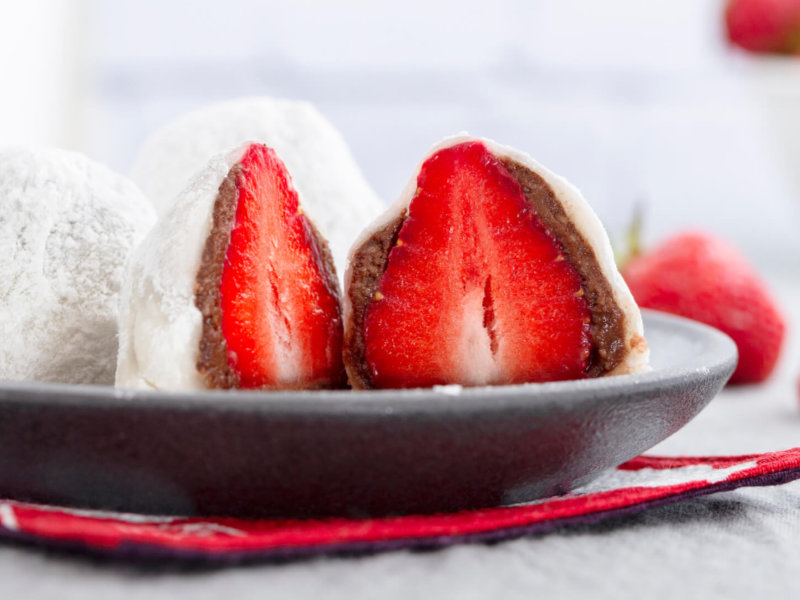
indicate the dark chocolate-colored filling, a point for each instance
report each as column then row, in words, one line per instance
column 607, row 328
column 367, row 266
column 212, row 359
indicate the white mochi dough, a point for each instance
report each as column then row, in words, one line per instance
column 159, row 324
column 322, row 168
column 67, row 226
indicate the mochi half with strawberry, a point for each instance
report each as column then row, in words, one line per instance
column 489, row 269
column 233, row 288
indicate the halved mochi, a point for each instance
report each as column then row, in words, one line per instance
column 489, row 269
column 234, row 288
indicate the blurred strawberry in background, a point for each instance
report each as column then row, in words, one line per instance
column 699, row 276
column 771, row 26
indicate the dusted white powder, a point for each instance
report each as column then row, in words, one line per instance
column 67, row 226
column 323, row 170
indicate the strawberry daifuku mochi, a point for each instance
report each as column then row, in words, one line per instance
column 489, row 269
column 234, row 288
column 322, row 167
column 67, row 226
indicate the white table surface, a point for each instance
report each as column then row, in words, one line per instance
column 740, row 544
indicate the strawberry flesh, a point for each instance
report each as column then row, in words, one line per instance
column 281, row 317
column 476, row 291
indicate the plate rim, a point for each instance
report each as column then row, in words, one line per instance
column 720, row 354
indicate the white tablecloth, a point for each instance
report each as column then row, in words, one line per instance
column 741, row 544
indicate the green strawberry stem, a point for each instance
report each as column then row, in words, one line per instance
column 630, row 247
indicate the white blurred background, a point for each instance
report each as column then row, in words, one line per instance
column 635, row 102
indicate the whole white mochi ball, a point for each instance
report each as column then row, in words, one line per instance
column 67, row 226
column 323, row 170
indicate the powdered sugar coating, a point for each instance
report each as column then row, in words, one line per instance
column 579, row 213
column 322, row 167
column 67, row 226
column 159, row 324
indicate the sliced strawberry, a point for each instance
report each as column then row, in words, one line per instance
column 281, row 317
column 476, row 291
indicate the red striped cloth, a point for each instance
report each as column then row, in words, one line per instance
column 641, row 483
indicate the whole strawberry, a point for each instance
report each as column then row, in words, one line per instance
column 764, row 25
column 698, row 276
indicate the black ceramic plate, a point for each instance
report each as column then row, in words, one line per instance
column 304, row 454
